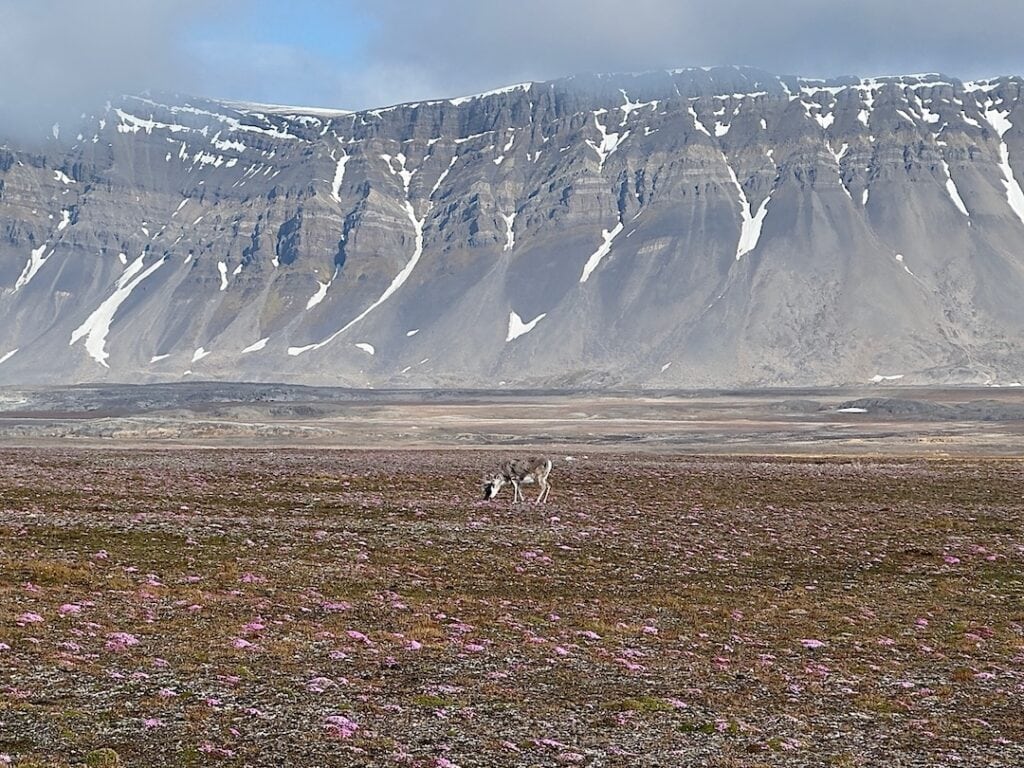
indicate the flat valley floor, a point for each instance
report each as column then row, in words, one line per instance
column 780, row 579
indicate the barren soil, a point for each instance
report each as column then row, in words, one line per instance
column 874, row 420
column 362, row 608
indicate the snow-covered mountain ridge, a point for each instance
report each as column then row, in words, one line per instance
column 700, row 227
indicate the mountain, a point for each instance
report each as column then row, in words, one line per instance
column 690, row 228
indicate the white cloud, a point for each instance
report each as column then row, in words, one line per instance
column 450, row 47
column 63, row 57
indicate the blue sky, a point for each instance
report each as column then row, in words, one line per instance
column 295, row 52
column 62, row 56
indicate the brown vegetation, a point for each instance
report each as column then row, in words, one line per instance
column 233, row 607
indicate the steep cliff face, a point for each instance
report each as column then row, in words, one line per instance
column 720, row 227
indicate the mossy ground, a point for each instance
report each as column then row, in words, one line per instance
column 234, row 607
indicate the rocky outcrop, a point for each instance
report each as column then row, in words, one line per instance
column 696, row 228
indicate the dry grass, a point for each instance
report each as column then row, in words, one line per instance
column 349, row 608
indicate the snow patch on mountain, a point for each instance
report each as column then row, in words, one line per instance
column 443, row 176
column 256, row 346
column 954, row 193
column 631, row 106
column 516, row 326
column 321, row 292
column 608, row 236
column 339, row 177
column 609, row 141
column 317, row 297
column 510, row 235
column 496, row 92
column 97, row 326
column 697, row 124
column 1014, row 193
column 34, row 264
column 750, row 224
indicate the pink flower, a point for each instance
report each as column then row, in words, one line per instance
column 209, row 748
column 649, row 630
column 551, row 743
column 319, row 684
column 812, row 643
column 120, row 641
column 167, row 693
column 413, row 645
column 29, row 618
column 632, row 666
column 101, row 555
column 357, row 635
column 474, row 647
column 69, row 609
column 336, row 605
column 340, row 726
column 153, row 722
column 240, row 644
column 951, row 560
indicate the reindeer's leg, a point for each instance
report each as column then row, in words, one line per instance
column 516, row 496
column 543, row 490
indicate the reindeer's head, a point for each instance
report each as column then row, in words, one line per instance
column 492, row 484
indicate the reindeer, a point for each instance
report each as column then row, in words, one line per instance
column 520, row 472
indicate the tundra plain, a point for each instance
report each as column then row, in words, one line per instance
column 745, row 579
